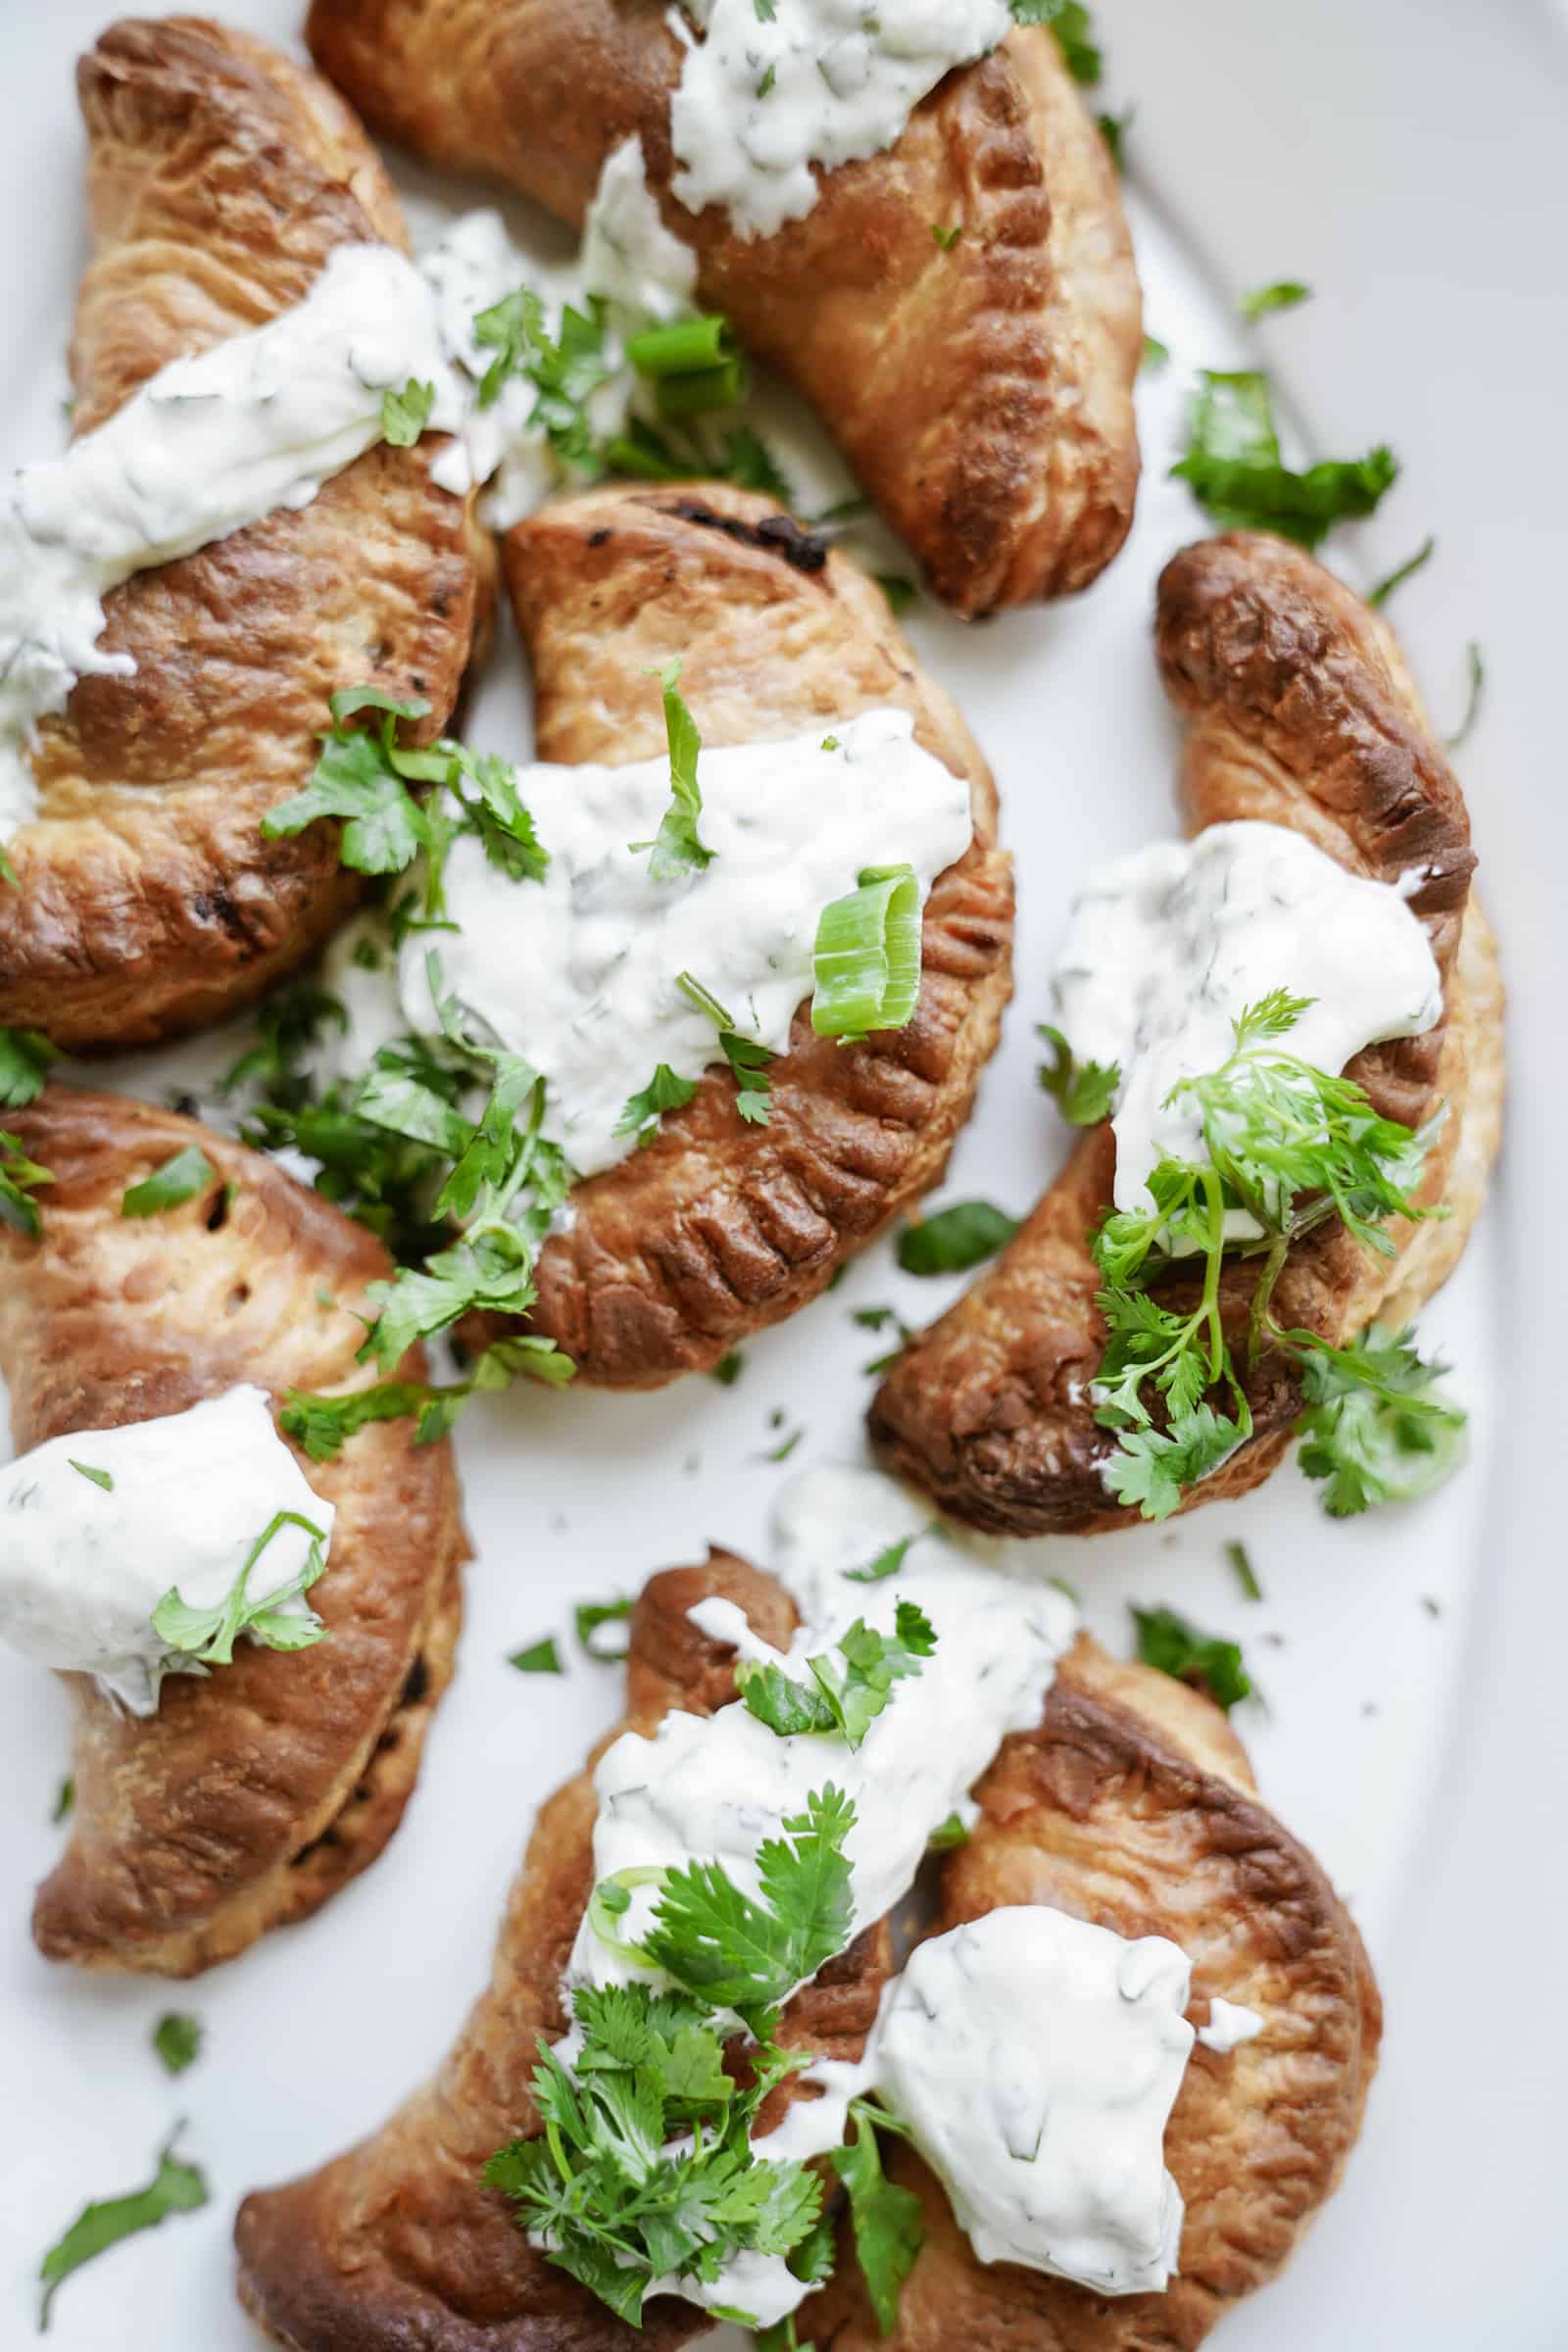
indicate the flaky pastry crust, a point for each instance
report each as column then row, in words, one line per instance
column 982, row 391
column 718, row 1227
column 396, row 2243
column 1132, row 1805
column 220, row 175
column 1299, row 710
column 254, row 1792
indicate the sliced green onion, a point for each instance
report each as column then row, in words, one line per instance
column 682, row 348
column 867, row 956
column 705, row 388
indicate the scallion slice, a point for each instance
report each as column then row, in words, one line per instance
column 867, row 956
column 683, row 347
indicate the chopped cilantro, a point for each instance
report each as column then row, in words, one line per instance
column 1234, row 470
column 406, row 414
column 956, row 1239
column 1167, row 1641
column 540, row 1657
column 25, row 1059
column 1285, row 294
column 845, row 1694
column 889, row 2232
column 177, row 2040
column 177, row 1181
column 1085, row 1093
column 176, row 2187
column 676, row 847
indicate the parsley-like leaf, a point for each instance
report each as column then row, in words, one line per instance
column 848, row 1693
column 19, row 1179
column 208, row 1635
column 1235, row 469
column 406, row 414
column 948, row 1834
column 356, row 778
column 1378, row 1427
column 25, row 1059
column 728, row 1368
column 1070, row 21
column 64, row 1800
column 644, row 1109
column 97, row 1477
column 956, row 1239
column 1167, row 1641
column 676, row 847
column 888, row 1561
column 176, row 2187
column 171, row 1186
column 540, row 1657
column 177, row 2040
column 889, row 2231
column 1084, row 1092
column 1285, row 294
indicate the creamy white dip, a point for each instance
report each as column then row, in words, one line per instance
column 1165, row 949
column 764, row 96
column 1036, row 2059
column 714, row 1787
column 210, row 444
column 84, row 1565
column 579, row 972
column 1230, row 2024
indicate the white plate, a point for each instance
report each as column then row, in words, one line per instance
column 1409, row 159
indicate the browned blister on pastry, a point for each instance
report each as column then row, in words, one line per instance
column 396, row 2243
column 1298, row 711
column 256, row 1791
column 718, row 1227
column 981, row 389
column 221, row 176
column 1132, row 1806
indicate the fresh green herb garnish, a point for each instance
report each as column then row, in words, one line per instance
column 323, row 1425
column 406, row 414
column 64, row 1800
column 1471, row 711
column 867, row 957
column 728, row 1368
column 1377, row 1427
column 1245, row 1574
column 208, row 1635
column 676, row 847
column 177, row 2040
column 644, row 1109
column 644, row 2168
column 694, row 366
column 847, row 1692
column 291, row 1023
column 900, row 591
column 177, row 1181
column 1285, row 294
column 947, row 1835
column 785, row 1447
column 565, row 369
column 1156, row 355
column 1070, row 21
column 956, row 1239
column 888, row 1561
column 889, row 2232
column 748, row 1059
column 947, row 238
column 1276, row 1133
column 1235, row 472
column 176, row 2187
column 1114, row 130
column 19, row 1178
column 540, row 1657
column 1379, row 595
column 97, row 1478
column 1177, row 1649
column 590, row 1615
column 25, row 1059
column 1083, row 1092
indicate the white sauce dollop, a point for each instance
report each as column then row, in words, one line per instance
column 712, row 1788
column 820, row 81
column 1230, row 2024
column 84, row 1567
column 1166, row 947
column 209, row 445
column 579, row 972
column 1036, row 2059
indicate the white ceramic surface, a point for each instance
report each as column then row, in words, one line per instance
column 1408, row 159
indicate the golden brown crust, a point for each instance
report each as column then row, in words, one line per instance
column 221, row 176
column 1300, row 711
column 718, row 1227
column 255, row 1792
column 1112, row 1811
column 396, row 2244
column 982, row 392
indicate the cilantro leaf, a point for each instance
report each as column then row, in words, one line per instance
column 644, row 1109
column 728, row 1368
column 324, row 1425
column 889, row 2231
column 887, row 1562
column 176, row 2187
column 1070, row 21
column 208, row 1635
column 25, row 1059
column 406, row 414
column 1155, row 1467
column 540, row 1657
column 956, row 1238
column 1084, row 1092
column 97, row 1477
column 291, row 1023
column 749, row 1956
column 1378, row 1427
column 515, row 329
column 1285, row 294
column 177, row 2040
column 177, row 1181
column 847, row 1697
column 948, row 1834
column 64, row 1800
column 1234, row 470
column 356, row 778
column 1167, row 1641
column 677, row 849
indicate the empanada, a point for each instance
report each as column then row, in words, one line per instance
column 253, row 1793
column 1133, row 1806
column 222, row 176
column 981, row 389
column 1298, row 711
column 397, row 2243
column 720, row 1227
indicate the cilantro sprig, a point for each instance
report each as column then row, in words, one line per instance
column 1084, row 1092
column 1170, row 1643
column 19, row 1179
column 677, row 849
column 208, row 1635
column 1293, row 1149
column 644, row 2168
column 847, row 1690
column 176, row 2187
column 886, row 2218
column 1237, row 473
column 25, row 1059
